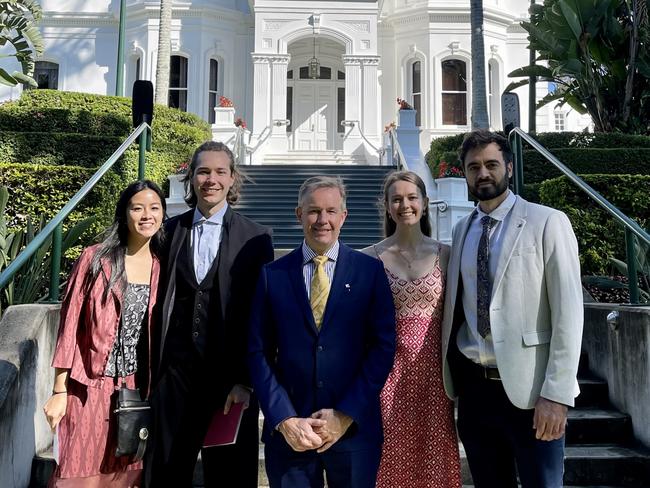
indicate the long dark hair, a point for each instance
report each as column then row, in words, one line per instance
column 115, row 239
column 233, row 193
column 411, row 177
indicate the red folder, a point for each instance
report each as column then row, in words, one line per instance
column 223, row 429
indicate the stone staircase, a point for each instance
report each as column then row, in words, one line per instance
column 271, row 195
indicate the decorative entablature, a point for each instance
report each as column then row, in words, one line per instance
column 259, row 58
column 447, row 15
column 355, row 60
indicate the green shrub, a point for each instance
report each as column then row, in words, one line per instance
column 599, row 235
column 56, row 148
column 587, row 161
column 602, row 140
column 44, row 189
column 50, row 127
column 85, row 113
column 583, row 153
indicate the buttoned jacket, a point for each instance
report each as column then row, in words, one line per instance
column 298, row 369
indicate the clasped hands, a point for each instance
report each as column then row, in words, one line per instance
column 320, row 431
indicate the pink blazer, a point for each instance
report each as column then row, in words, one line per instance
column 88, row 325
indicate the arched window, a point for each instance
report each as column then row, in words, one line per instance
column 416, row 91
column 213, row 88
column 46, row 75
column 178, row 83
column 454, row 92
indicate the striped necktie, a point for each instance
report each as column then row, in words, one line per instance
column 319, row 290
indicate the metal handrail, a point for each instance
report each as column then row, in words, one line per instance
column 356, row 123
column 55, row 226
column 632, row 228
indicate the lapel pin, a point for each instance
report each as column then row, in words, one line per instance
column 347, row 286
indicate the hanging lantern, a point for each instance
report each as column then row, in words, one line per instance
column 314, row 65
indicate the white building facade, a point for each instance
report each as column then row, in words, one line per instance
column 257, row 54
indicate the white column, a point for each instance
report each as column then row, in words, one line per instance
column 261, row 93
column 352, row 139
column 371, row 111
column 279, row 64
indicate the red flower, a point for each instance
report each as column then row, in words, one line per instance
column 239, row 122
column 225, row 102
column 403, row 104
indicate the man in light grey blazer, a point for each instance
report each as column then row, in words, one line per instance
column 512, row 326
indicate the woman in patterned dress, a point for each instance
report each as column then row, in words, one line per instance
column 112, row 288
column 420, row 447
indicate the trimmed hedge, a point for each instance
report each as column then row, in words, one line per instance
column 74, row 133
column 56, row 148
column 584, row 153
column 587, row 161
column 85, row 113
column 552, row 140
column 599, row 235
column 36, row 190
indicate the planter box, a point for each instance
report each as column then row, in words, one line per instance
column 224, row 117
column 452, row 189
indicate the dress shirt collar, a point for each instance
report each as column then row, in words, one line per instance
column 216, row 219
column 308, row 253
column 501, row 211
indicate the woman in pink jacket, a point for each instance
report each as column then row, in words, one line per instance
column 112, row 288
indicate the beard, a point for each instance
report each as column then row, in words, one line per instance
column 489, row 192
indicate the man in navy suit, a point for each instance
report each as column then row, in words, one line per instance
column 322, row 344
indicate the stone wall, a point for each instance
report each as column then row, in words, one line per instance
column 27, row 339
column 620, row 354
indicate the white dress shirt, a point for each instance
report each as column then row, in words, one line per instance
column 206, row 237
column 308, row 265
column 469, row 341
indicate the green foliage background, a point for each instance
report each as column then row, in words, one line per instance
column 617, row 165
column 52, row 141
column 600, row 236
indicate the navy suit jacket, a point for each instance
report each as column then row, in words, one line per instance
column 297, row 369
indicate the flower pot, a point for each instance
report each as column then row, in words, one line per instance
column 452, row 189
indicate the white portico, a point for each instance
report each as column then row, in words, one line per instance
column 297, row 113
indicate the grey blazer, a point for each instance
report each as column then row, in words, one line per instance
column 536, row 310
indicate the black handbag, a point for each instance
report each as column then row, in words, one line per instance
column 132, row 415
column 133, row 421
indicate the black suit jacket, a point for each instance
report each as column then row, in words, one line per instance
column 245, row 247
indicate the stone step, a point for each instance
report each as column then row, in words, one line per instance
column 598, row 426
column 607, row 465
column 593, row 392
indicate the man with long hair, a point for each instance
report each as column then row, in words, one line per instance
column 212, row 265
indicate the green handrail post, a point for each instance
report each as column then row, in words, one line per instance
column 632, row 276
column 119, row 77
column 143, row 157
column 55, row 264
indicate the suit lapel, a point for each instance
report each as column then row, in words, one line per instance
column 453, row 270
column 341, row 277
column 225, row 260
column 298, row 282
column 510, row 238
column 179, row 233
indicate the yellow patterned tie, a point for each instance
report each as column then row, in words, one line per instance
column 320, row 290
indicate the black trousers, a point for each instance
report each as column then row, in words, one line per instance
column 183, row 404
column 499, row 438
